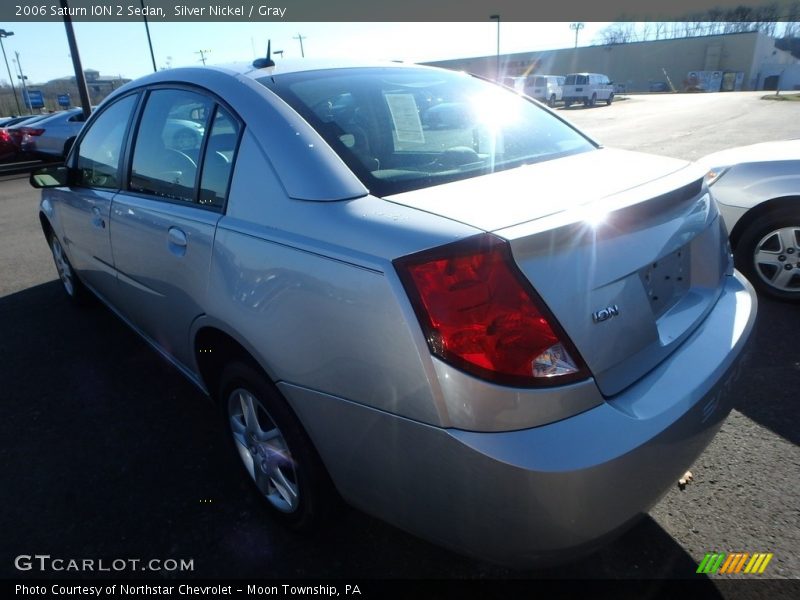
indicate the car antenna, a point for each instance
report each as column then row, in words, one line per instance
column 263, row 63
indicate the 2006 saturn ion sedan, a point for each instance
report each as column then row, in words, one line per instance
column 431, row 322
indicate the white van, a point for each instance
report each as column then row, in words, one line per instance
column 587, row 88
column 545, row 88
column 515, row 83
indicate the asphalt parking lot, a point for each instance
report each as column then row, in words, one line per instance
column 107, row 452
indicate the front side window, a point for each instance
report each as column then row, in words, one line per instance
column 101, row 147
column 404, row 129
column 168, row 144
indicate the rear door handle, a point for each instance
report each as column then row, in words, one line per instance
column 176, row 237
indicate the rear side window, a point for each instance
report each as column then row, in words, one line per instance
column 218, row 162
column 101, row 146
column 168, row 144
column 400, row 129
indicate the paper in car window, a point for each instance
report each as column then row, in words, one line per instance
column 405, row 116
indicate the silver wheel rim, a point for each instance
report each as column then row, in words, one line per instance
column 263, row 450
column 62, row 265
column 777, row 259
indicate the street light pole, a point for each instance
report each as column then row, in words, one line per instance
column 24, row 86
column 3, row 35
column 497, row 60
column 576, row 27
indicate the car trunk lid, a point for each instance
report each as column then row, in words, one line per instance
column 629, row 260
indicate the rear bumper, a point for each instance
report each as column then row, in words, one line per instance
column 544, row 494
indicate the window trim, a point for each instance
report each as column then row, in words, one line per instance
column 234, row 156
column 133, row 134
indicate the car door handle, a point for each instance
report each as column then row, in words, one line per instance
column 176, row 237
column 97, row 218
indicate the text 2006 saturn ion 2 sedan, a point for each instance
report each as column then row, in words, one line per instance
column 432, row 323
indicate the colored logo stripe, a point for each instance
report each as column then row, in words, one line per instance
column 758, row 563
column 720, row 562
column 711, row 563
column 735, row 562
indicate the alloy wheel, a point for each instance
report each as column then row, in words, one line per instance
column 62, row 265
column 263, row 450
column 777, row 259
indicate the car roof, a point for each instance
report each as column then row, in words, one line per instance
column 281, row 67
column 62, row 114
column 28, row 121
column 298, row 65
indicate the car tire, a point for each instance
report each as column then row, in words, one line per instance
column 73, row 286
column 592, row 101
column 768, row 253
column 610, row 100
column 291, row 477
column 551, row 102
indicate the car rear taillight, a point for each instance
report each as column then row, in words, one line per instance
column 479, row 313
column 31, row 131
column 4, row 137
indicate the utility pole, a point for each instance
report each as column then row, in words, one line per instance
column 202, row 54
column 80, row 78
column 300, row 38
column 576, row 27
column 149, row 41
column 4, row 34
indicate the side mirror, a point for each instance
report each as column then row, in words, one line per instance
column 50, row 177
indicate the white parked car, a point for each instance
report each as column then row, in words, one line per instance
column 758, row 191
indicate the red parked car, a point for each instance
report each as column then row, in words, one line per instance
column 11, row 137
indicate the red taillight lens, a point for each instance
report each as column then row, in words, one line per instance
column 4, row 137
column 479, row 313
column 31, row 131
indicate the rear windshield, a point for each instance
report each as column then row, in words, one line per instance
column 400, row 129
column 577, row 80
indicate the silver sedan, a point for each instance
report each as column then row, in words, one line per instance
column 758, row 191
column 488, row 330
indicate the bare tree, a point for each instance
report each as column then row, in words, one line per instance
column 618, row 33
column 714, row 21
